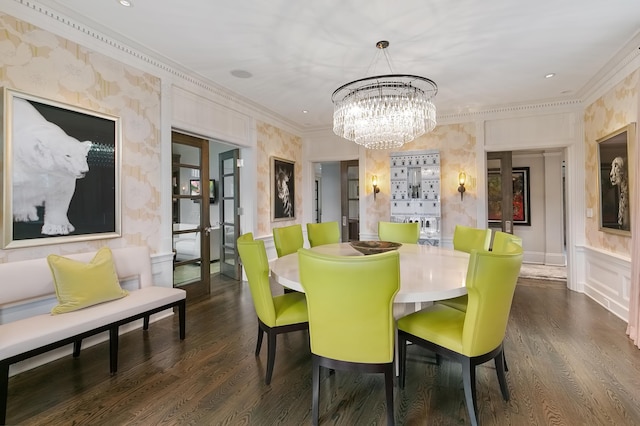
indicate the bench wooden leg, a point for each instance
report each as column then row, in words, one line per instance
column 77, row 345
column 182, row 309
column 145, row 322
column 4, row 391
column 113, row 350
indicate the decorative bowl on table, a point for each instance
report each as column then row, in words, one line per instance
column 374, row 247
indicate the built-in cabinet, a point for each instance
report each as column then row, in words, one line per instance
column 415, row 192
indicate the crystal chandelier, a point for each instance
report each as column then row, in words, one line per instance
column 384, row 111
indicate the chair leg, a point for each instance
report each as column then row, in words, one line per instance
column 271, row 354
column 469, row 383
column 504, row 359
column 315, row 388
column 402, row 361
column 77, row 347
column 388, row 382
column 259, row 341
column 500, row 364
column 4, row 391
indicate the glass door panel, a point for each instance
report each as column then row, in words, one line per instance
column 350, row 183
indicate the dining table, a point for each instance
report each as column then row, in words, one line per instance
column 427, row 273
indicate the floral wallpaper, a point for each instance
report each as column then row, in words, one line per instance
column 457, row 146
column 614, row 110
column 275, row 142
column 42, row 64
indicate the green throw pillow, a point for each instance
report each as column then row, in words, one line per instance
column 80, row 284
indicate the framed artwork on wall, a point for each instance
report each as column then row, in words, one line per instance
column 61, row 172
column 521, row 196
column 614, row 169
column 283, row 194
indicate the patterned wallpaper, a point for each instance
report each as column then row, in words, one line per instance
column 457, row 146
column 39, row 63
column 275, row 142
column 614, row 110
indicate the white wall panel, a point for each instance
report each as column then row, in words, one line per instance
column 194, row 113
column 607, row 280
column 530, row 132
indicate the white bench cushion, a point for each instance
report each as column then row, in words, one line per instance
column 26, row 334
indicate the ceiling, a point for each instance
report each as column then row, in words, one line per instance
column 289, row 56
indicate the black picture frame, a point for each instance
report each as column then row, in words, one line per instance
column 283, row 193
column 521, row 196
column 61, row 174
column 614, row 171
column 194, row 189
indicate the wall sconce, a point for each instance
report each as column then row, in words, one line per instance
column 462, row 177
column 374, row 181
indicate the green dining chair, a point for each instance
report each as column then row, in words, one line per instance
column 501, row 239
column 276, row 315
column 408, row 233
column 288, row 239
column 354, row 331
column 466, row 238
column 323, row 233
column 475, row 336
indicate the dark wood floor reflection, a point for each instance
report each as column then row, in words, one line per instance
column 570, row 363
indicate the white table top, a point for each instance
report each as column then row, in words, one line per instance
column 427, row 273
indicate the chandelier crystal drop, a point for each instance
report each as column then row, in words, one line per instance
column 384, row 111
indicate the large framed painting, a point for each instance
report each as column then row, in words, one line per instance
column 61, row 174
column 283, row 190
column 614, row 169
column 521, row 197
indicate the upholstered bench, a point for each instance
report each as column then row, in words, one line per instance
column 31, row 281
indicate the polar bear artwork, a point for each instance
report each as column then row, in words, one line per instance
column 46, row 164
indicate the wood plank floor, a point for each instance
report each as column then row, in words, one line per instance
column 570, row 363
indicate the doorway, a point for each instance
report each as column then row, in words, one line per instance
column 534, row 179
column 337, row 196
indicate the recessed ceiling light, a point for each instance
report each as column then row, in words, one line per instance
column 304, row 111
column 551, row 74
column 125, row 3
column 241, row 74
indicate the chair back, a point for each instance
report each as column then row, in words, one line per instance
column 491, row 282
column 256, row 265
column 501, row 240
column 350, row 303
column 323, row 233
column 288, row 239
column 407, row 233
column 466, row 238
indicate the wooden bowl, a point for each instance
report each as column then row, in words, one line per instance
column 374, row 247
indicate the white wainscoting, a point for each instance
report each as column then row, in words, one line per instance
column 607, row 280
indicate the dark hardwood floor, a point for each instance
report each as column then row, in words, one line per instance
column 570, row 363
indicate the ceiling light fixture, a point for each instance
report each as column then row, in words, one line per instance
column 384, row 111
column 550, row 75
column 125, row 3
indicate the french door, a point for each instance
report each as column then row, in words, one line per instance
column 191, row 227
column 229, row 213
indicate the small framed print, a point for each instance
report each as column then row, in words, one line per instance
column 283, row 191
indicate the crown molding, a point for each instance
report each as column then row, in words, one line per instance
column 621, row 64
